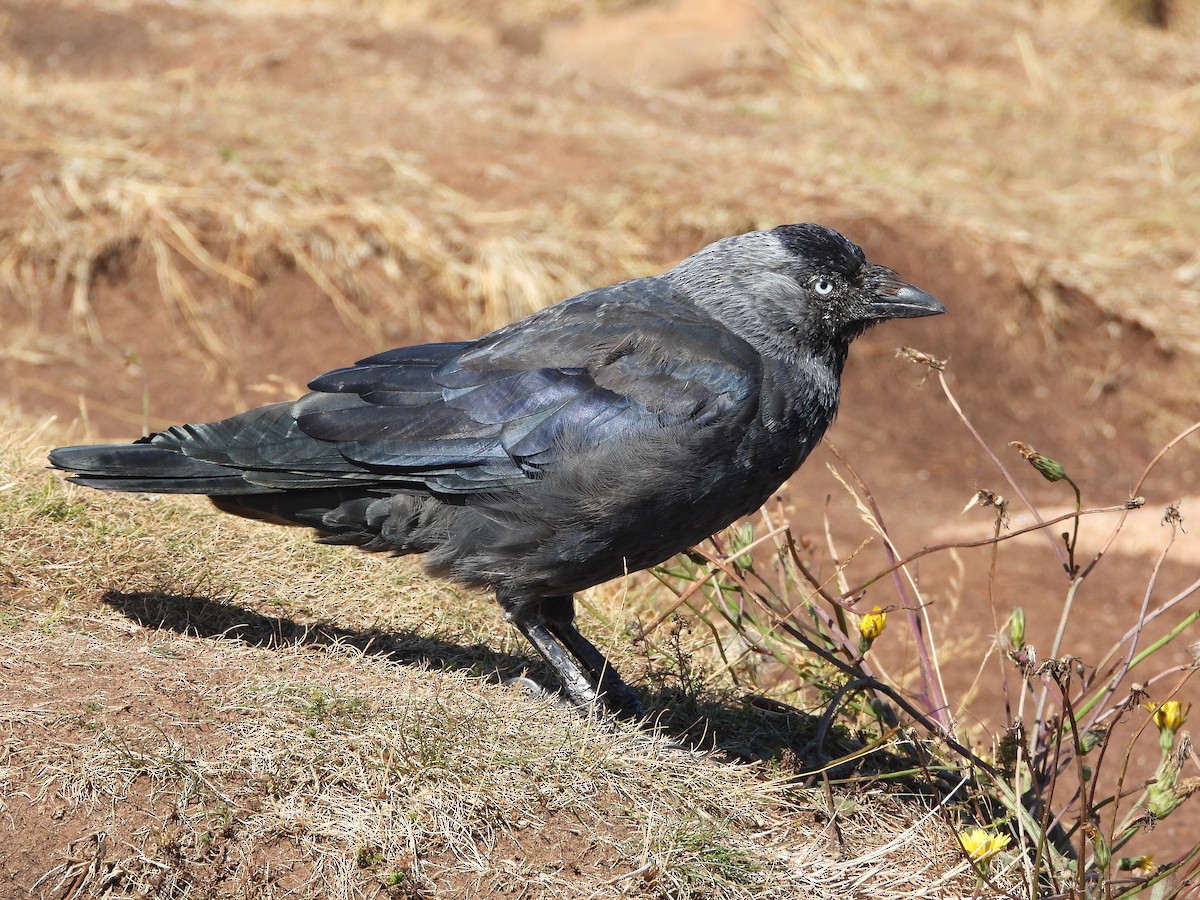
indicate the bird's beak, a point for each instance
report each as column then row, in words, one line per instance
column 892, row 298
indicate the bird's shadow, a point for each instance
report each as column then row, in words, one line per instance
column 744, row 729
column 196, row 615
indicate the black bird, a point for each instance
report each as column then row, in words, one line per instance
column 598, row 436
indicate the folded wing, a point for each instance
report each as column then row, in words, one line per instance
column 621, row 360
column 462, row 417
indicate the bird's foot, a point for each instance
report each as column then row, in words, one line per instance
column 618, row 698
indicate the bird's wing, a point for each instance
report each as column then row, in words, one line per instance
column 612, row 363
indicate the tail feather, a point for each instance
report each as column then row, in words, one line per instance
column 145, row 467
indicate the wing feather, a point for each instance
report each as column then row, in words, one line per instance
column 627, row 361
column 495, row 412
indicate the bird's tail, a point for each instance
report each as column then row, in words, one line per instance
column 219, row 459
column 146, row 467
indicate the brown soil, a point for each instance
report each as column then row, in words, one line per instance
column 1089, row 388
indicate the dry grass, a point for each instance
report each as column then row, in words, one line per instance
column 103, row 205
column 1061, row 131
column 200, row 704
column 1071, row 140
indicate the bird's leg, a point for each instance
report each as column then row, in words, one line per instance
column 617, row 695
column 548, row 625
column 575, row 683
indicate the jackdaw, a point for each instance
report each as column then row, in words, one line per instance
column 598, row 436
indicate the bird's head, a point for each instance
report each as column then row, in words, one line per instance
column 798, row 287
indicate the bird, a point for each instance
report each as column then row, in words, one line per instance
column 595, row 437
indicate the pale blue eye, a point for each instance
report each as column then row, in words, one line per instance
column 823, row 286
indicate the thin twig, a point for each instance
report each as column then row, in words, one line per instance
column 988, row 541
column 1137, row 489
column 1135, row 633
column 1004, row 471
column 933, row 694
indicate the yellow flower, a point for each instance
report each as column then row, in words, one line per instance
column 872, row 624
column 980, row 845
column 1139, row 865
column 1169, row 716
